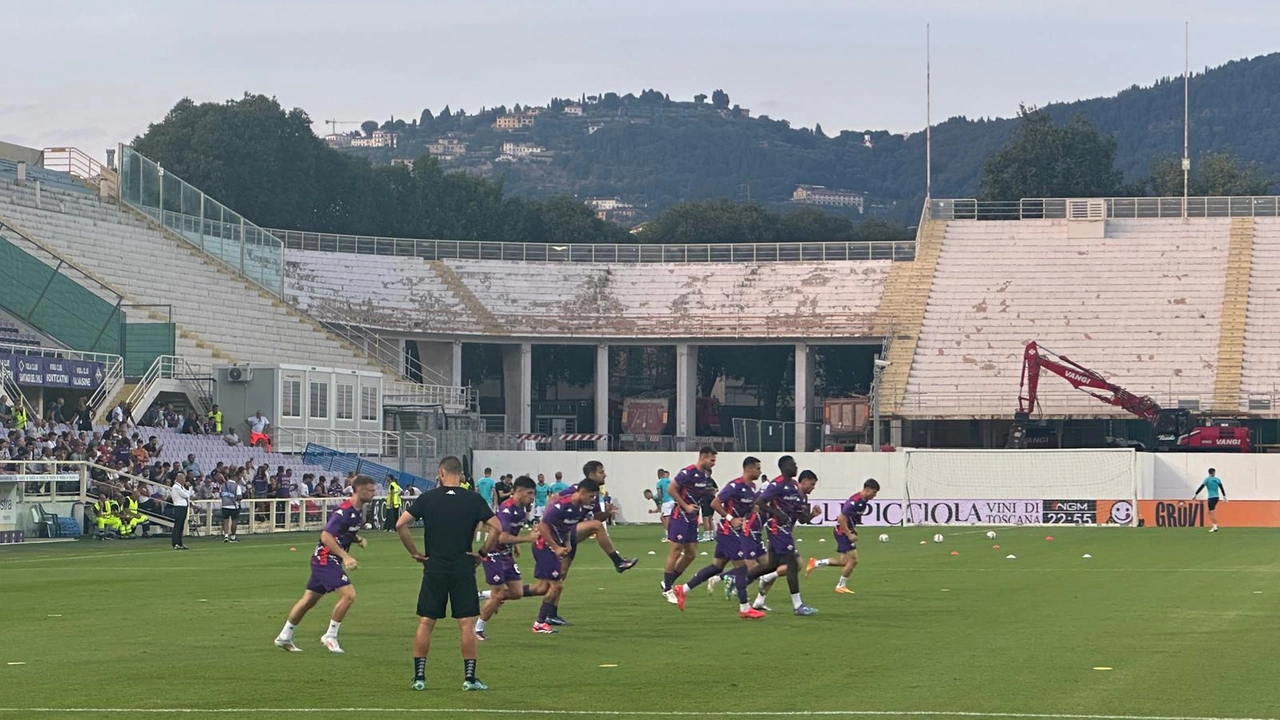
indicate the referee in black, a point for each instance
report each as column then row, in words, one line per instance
column 449, row 517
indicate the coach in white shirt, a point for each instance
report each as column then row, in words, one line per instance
column 180, row 494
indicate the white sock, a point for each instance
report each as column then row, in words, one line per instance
column 759, row 603
column 485, row 594
column 768, row 578
column 822, row 563
column 685, row 588
column 287, row 632
column 480, row 625
column 795, row 601
column 333, row 628
column 842, row 581
column 743, row 607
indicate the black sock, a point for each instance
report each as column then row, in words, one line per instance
column 528, row 591
column 469, row 669
column 420, row 668
column 616, row 558
column 555, row 610
column 669, row 579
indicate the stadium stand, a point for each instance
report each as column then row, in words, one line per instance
column 50, row 179
column 1141, row 305
column 1260, row 363
column 221, row 318
column 494, row 297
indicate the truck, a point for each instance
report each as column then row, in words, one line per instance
column 651, row 415
column 1175, row 429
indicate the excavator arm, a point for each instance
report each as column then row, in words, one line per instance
column 1035, row 359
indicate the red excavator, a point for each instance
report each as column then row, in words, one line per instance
column 1175, row 429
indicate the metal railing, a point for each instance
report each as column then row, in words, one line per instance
column 174, row 367
column 1065, row 403
column 1108, row 208
column 385, row 351
column 77, row 163
column 404, row 392
column 45, row 479
column 597, row 253
column 751, row 435
column 375, row 443
column 218, row 231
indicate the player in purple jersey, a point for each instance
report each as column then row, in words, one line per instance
column 330, row 563
column 556, row 545
column 688, row 488
column 785, row 502
column 594, row 524
column 500, row 569
column 846, row 532
column 735, row 503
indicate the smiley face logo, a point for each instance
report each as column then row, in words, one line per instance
column 1121, row 513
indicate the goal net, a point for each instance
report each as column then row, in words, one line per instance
column 1020, row 487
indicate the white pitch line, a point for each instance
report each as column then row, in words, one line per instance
column 636, row 713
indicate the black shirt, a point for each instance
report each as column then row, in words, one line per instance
column 449, row 517
column 502, row 489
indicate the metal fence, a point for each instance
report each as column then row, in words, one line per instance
column 217, row 230
column 597, row 253
column 751, row 435
column 1104, row 208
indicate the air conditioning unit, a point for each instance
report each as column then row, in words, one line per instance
column 239, row 374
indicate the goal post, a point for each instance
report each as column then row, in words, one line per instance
column 1020, row 487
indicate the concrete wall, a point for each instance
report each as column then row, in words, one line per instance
column 1159, row 475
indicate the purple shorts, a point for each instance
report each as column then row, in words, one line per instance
column 546, row 564
column 843, row 543
column 781, row 542
column 682, row 529
column 500, row 570
column 751, row 547
column 327, row 577
column 729, row 546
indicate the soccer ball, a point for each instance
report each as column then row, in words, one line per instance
column 884, row 538
column 368, row 526
column 991, row 535
column 937, row 538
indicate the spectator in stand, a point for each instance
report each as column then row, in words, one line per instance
column 83, row 419
column 123, row 414
column 261, row 483
column 258, row 425
column 335, row 487
column 151, row 418
column 153, row 447
column 170, row 419
column 192, row 466
column 215, row 421
column 139, row 453
column 6, row 412
column 192, row 425
column 231, row 438
column 321, row 489
column 56, row 414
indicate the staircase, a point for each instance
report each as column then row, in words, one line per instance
column 1235, row 302
column 901, row 312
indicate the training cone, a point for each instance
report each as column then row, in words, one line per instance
column 704, row 552
column 293, row 549
column 922, row 542
column 1049, row 538
column 953, row 552
column 822, row 539
column 1010, row 557
column 995, row 547
column 652, row 552
column 1087, row 555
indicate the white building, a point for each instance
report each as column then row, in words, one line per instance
column 573, row 109
column 380, row 138
column 338, row 140
column 518, row 150
column 819, row 195
column 447, row 148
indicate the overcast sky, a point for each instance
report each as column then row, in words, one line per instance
column 91, row 73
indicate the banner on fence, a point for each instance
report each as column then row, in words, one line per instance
column 1195, row 513
column 54, row 372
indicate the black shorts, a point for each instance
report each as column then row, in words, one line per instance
column 230, row 513
column 707, row 511
column 1213, row 503
column 456, row 588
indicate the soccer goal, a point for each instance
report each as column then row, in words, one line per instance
column 1020, row 487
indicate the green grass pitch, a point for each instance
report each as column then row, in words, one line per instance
column 1186, row 620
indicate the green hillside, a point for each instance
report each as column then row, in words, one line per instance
column 655, row 151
